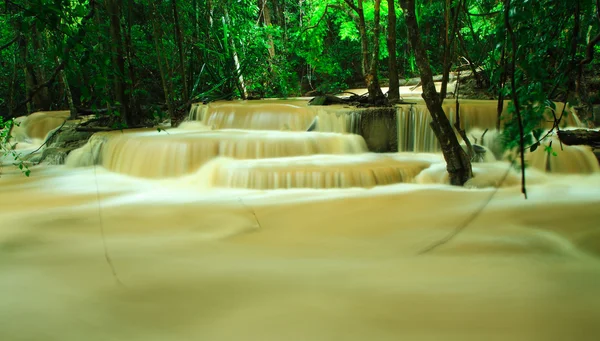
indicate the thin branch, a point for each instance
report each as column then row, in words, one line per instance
column 515, row 96
column 49, row 138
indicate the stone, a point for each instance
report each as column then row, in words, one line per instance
column 55, row 155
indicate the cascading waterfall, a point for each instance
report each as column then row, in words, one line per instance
column 153, row 154
column 293, row 115
column 36, row 126
column 282, row 158
column 318, row 171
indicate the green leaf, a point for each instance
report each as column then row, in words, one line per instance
column 534, row 147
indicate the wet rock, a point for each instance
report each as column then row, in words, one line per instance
column 68, row 136
column 54, row 155
column 326, row 100
column 61, row 142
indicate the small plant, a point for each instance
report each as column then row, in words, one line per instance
column 7, row 149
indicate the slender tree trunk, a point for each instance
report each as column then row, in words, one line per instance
column 65, row 81
column 369, row 67
column 134, row 107
column 236, row 60
column 446, row 61
column 375, row 93
column 181, row 51
column 266, row 16
column 13, row 81
column 118, row 57
column 194, row 52
column 478, row 77
column 503, row 73
column 43, row 97
column 210, row 9
column 449, row 45
column 159, row 56
column 394, row 92
column 29, row 85
column 458, row 163
column 513, row 90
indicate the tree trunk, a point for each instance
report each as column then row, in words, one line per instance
column 394, row 91
column 375, row 93
column 118, row 58
column 42, row 97
column 180, row 48
column 134, row 103
column 266, row 16
column 29, row 85
column 65, row 81
column 236, row 60
column 369, row 67
column 159, row 58
column 449, row 44
column 458, row 163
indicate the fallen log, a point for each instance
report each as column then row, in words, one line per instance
column 580, row 137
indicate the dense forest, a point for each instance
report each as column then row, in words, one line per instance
column 144, row 61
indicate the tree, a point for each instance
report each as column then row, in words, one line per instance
column 369, row 64
column 458, row 162
column 394, row 91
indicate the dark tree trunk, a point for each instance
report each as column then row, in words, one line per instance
column 179, row 37
column 375, row 93
column 449, row 44
column 458, row 163
column 134, row 104
column 167, row 89
column 369, row 68
column 118, row 58
column 394, row 92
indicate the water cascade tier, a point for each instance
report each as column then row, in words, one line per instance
column 37, row 125
column 554, row 157
column 293, row 115
column 318, row 171
column 406, row 127
column 153, row 154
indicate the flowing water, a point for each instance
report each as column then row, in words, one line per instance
column 210, row 232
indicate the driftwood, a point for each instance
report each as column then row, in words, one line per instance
column 580, row 137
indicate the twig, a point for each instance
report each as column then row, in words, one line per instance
column 515, row 96
column 102, row 233
column 251, row 211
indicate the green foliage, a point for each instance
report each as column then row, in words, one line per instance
column 230, row 47
column 7, row 149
